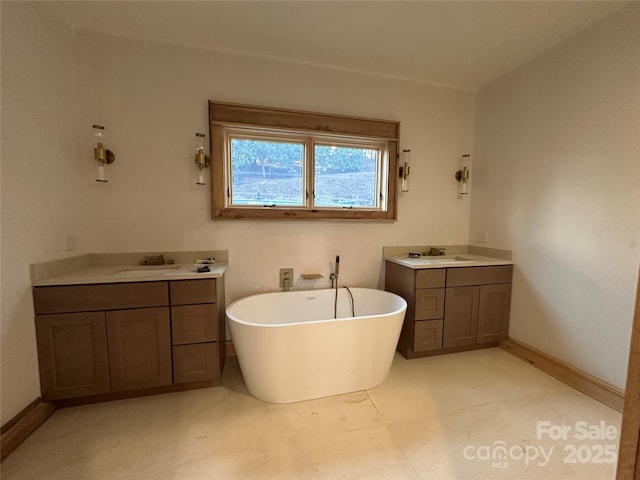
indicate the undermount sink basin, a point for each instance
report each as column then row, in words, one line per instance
column 133, row 272
column 438, row 260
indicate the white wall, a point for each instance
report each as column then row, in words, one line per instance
column 557, row 179
column 152, row 99
column 44, row 188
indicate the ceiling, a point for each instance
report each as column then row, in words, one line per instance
column 463, row 44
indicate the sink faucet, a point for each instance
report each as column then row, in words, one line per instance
column 436, row 251
column 154, row 260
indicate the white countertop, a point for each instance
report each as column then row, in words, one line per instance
column 447, row 261
column 132, row 273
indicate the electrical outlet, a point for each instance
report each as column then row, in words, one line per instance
column 69, row 241
column 286, row 277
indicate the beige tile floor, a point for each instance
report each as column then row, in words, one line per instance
column 433, row 418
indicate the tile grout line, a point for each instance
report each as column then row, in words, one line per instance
column 373, row 403
column 395, row 439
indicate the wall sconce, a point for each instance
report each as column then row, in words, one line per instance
column 102, row 155
column 462, row 175
column 405, row 169
column 202, row 161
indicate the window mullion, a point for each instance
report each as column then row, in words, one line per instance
column 310, row 171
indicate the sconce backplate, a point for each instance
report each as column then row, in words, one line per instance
column 202, row 161
column 462, row 175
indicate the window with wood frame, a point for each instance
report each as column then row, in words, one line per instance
column 286, row 164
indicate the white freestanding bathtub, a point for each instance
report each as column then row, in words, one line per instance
column 290, row 347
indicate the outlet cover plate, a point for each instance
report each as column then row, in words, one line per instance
column 286, row 273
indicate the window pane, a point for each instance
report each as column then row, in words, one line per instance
column 266, row 172
column 346, row 176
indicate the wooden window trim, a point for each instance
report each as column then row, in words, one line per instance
column 225, row 115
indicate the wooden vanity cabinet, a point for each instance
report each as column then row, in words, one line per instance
column 115, row 340
column 451, row 309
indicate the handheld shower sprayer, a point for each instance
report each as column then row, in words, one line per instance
column 334, row 275
column 334, row 284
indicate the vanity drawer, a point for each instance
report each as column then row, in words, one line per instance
column 464, row 276
column 105, row 296
column 195, row 362
column 194, row 323
column 430, row 278
column 188, row 292
column 427, row 335
column 429, row 303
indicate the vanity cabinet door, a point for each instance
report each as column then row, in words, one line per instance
column 493, row 312
column 139, row 348
column 72, row 355
column 429, row 303
column 461, row 316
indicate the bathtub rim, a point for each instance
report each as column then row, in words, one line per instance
column 312, row 322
